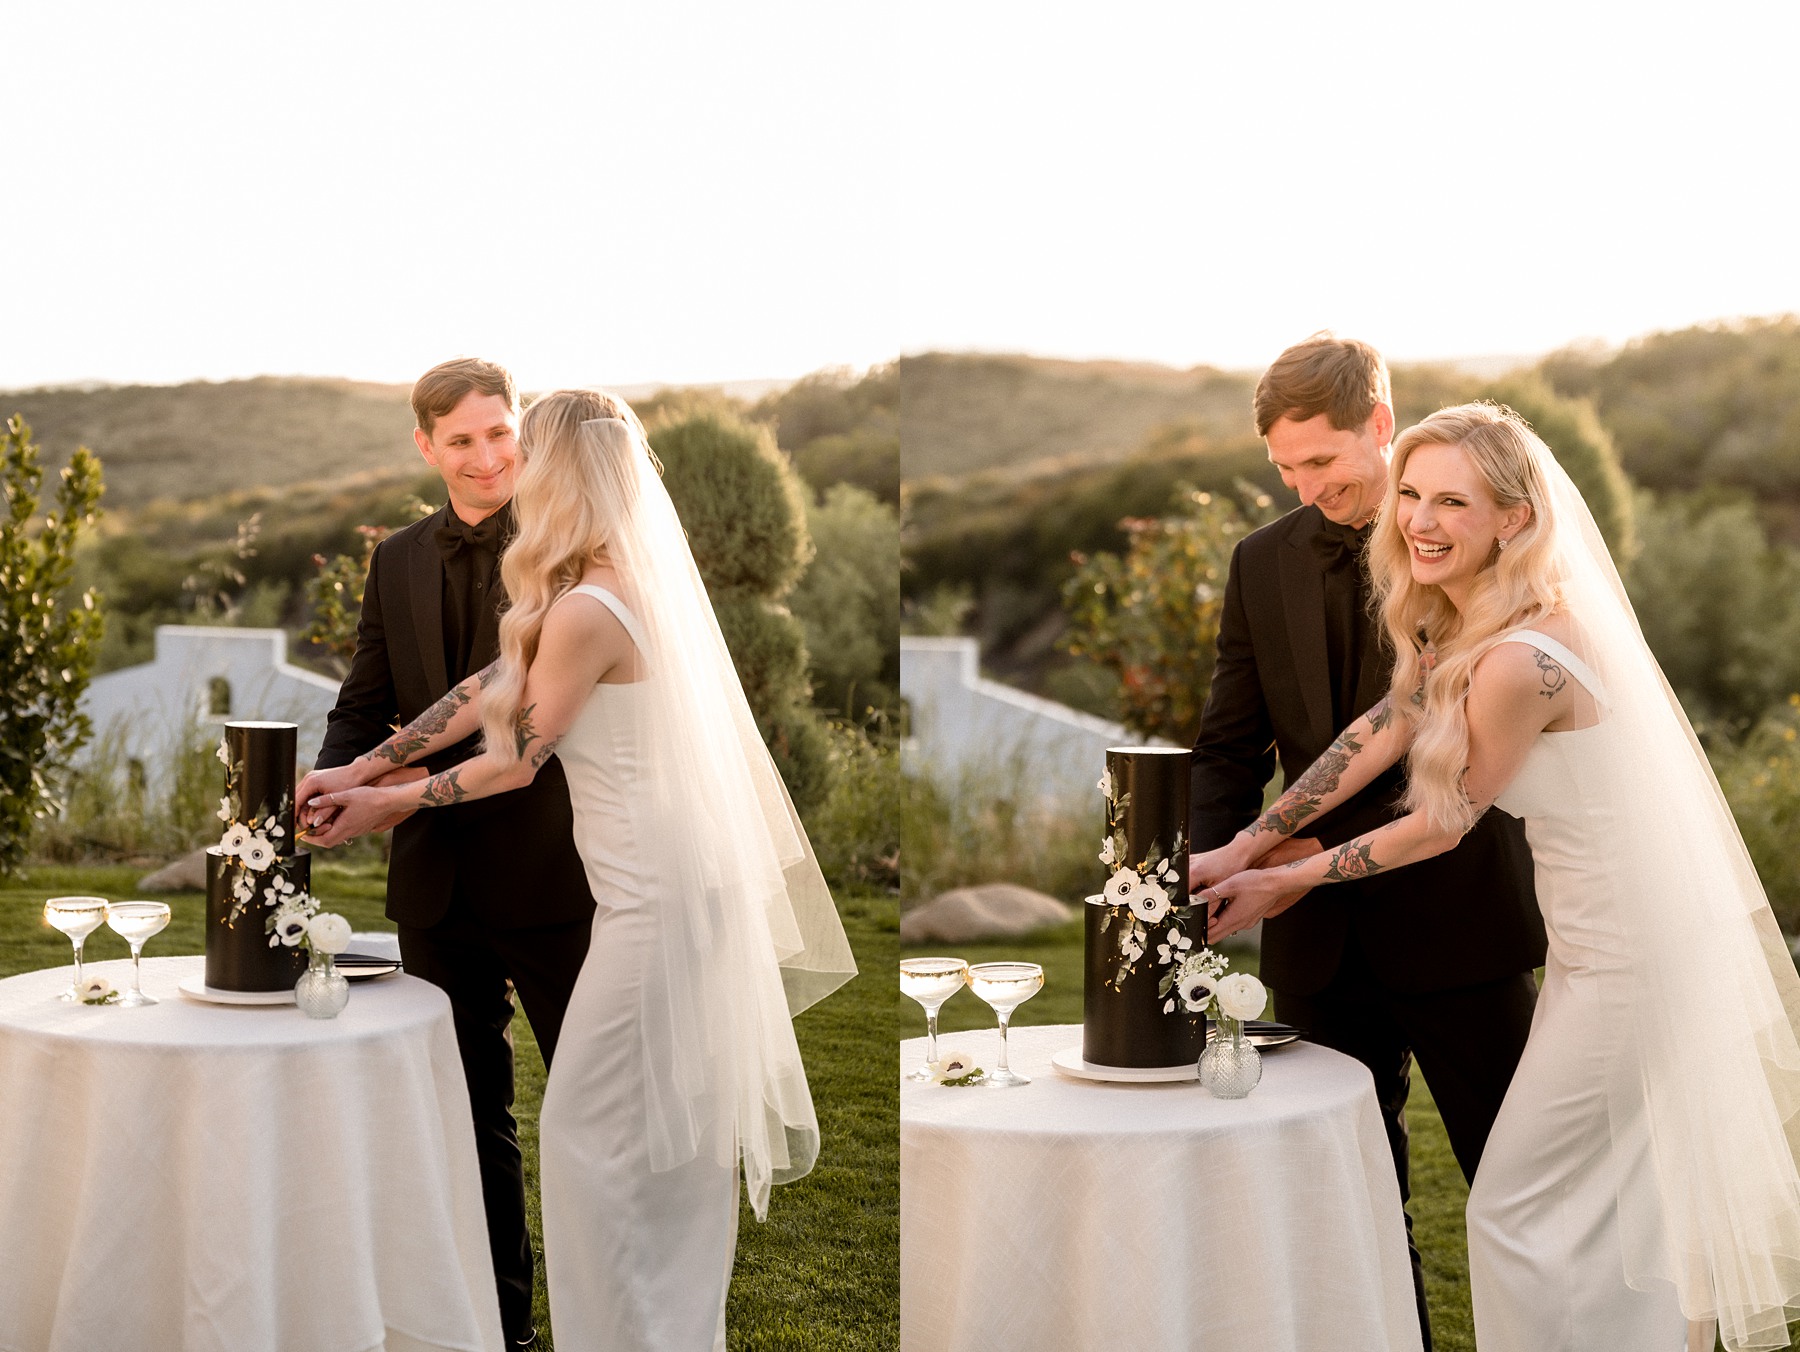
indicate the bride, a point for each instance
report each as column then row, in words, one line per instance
column 1640, row 1181
column 677, row 1065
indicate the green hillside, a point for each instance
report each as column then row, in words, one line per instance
column 203, row 439
column 961, row 413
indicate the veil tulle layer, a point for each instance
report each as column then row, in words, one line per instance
column 748, row 933
column 1709, row 1072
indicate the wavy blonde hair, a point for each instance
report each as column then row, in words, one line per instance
column 1516, row 586
column 578, row 484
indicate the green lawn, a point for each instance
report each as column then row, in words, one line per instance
column 1438, row 1190
column 822, row 1273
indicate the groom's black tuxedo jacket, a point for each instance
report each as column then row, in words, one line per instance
column 511, row 858
column 1468, row 916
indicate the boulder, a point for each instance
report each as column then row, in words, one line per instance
column 186, row 874
column 990, row 911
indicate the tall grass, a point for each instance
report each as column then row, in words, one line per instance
column 991, row 821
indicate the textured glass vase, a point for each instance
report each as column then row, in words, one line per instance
column 322, row 991
column 1231, row 1065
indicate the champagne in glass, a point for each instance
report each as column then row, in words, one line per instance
column 931, row 981
column 1005, row 986
column 76, row 917
column 136, row 922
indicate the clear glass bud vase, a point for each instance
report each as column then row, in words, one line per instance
column 1231, row 1065
column 322, row 991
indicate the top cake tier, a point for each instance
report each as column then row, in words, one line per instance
column 259, row 778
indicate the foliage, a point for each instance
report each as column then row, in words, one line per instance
column 1152, row 614
column 1572, row 431
column 744, row 510
column 1713, row 405
column 1761, row 779
column 47, row 636
column 991, row 822
column 336, row 594
column 849, row 603
column 1719, row 606
column 855, row 832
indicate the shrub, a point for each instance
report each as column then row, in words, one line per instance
column 849, row 603
column 1761, row 779
column 856, row 830
column 46, row 637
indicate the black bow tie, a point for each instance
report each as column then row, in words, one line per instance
column 1338, row 545
column 460, row 535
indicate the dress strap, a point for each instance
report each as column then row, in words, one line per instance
column 619, row 609
column 1551, row 648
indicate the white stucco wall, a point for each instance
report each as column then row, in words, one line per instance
column 960, row 718
column 153, row 708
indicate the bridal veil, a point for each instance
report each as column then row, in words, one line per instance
column 749, row 935
column 1711, row 1079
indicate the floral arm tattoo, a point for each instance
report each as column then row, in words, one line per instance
column 443, row 789
column 418, row 734
column 1352, row 860
column 1321, row 778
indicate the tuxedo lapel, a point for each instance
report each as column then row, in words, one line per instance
column 425, row 578
column 1303, row 601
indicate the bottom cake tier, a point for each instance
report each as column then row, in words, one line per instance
column 238, row 955
column 1122, row 1018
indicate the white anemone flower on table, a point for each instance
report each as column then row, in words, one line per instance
column 96, row 990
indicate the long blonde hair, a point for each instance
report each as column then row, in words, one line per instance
column 1517, row 586
column 578, row 484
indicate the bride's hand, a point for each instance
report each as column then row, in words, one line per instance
column 1234, row 856
column 1238, row 902
column 318, row 783
column 358, row 811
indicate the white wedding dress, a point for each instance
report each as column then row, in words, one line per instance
column 637, row 1260
column 1565, row 1199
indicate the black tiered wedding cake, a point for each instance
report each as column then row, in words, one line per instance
column 255, row 865
column 1142, row 928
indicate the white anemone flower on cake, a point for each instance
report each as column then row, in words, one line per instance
column 1122, row 886
column 258, row 853
column 1148, row 902
column 236, row 836
column 1105, row 784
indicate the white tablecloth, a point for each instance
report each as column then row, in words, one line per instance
column 1070, row 1216
column 187, row 1177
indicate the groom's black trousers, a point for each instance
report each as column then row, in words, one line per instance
column 480, row 967
column 1467, row 1042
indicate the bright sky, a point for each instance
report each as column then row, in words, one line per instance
column 697, row 192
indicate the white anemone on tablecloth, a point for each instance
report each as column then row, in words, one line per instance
column 220, row 1179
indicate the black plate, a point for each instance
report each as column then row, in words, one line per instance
column 365, row 966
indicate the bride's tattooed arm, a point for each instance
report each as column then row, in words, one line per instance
column 1323, row 785
column 445, row 723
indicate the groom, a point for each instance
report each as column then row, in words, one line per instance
column 489, row 896
column 1433, row 961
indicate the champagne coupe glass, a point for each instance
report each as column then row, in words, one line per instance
column 136, row 922
column 76, row 917
column 1005, row 986
column 931, row 981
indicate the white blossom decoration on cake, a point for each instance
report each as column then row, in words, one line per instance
column 1151, row 892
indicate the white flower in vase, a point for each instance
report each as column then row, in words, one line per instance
column 1196, row 987
column 236, row 836
column 258, row 853
column 1148, row 902
column 328, row 932
column 1242, row 996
